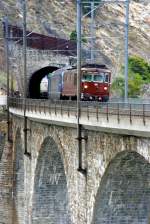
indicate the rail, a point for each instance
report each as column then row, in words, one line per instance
column 88, row 108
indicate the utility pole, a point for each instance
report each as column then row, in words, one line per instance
column 11, row 77
column 126, row 49
column 25, row 76
column 92, row 31
column 24, row 50
column 6, row 38
column 79, row 134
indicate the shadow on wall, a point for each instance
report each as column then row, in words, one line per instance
column 124, row 193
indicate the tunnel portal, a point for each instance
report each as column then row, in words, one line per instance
column 35, row 80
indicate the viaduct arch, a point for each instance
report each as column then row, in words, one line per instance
column 50, row 197
column 124, row 194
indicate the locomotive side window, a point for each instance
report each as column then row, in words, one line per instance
column 87, row 77
column 106, row 77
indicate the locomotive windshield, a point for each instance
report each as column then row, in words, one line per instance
column 101, row 77
column 87, row 77
column 95, row 77
column 98, row 78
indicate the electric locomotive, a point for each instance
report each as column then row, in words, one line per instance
column 95, row 83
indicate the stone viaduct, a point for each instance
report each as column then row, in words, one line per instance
column 46, row 186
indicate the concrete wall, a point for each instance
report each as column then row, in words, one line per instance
column 115, row 190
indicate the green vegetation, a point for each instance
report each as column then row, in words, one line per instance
column 140, row 66
column 73, row 36
column 138, row 74
column 3, row 79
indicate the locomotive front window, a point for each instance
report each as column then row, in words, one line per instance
column 99, row 78
column 87, row 77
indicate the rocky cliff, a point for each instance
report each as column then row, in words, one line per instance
column 58, row 18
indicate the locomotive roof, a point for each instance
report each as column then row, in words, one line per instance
column 94, row 66
column 90, row 66
column 85, row 67
column 62, row 69
column 93, row 69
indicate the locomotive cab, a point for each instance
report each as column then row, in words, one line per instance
column 95, row 84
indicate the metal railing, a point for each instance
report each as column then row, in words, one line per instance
column 89, row 109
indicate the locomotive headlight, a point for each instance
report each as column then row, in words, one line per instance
column 105, row 88
column 85, row 86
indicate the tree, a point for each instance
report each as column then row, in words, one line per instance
column 135, row 83
column 117, row 86
column 140, row 66
column 138, row 74
column 73, row 36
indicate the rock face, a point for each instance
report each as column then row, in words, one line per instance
column 58, row 18
column 110, row 34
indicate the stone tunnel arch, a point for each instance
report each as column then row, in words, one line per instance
column 124, row 192
column 18, row 181
column 35, row 80
column 50, row 197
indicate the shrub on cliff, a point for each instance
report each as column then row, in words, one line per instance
column 138, row 75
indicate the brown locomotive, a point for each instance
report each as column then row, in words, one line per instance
column 95, row 83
